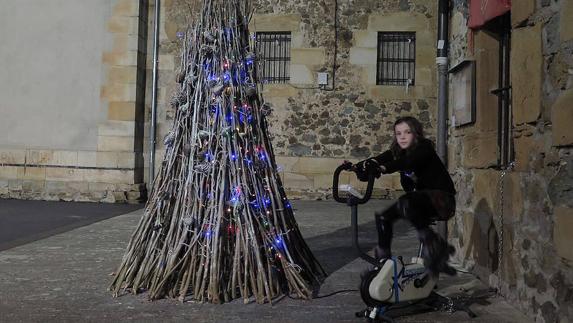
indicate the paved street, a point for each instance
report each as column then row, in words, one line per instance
column 64, row 278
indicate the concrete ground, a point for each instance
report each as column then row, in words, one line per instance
column 64, row 278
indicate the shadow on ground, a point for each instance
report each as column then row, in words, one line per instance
column 24, row 221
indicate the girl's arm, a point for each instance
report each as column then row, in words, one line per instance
column 419, row 155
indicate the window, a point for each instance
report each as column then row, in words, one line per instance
column 396, row 58
column 273, row 50
column 500, row 27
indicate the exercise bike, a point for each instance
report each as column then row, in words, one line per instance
column 392, row 282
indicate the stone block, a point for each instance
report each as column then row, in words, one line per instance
column 101, row 187
column 119, row 92
column 425, row 76
column 54, row 187
column 301, row 74
column 125, row 159
column 310, row 165
column 121, row 111
column 527, row 149
column 87, row 158
column 322, row 181
column 513, row 203
column 468, row 222
column 106, row 159
column 521, row 10
column 122, row 74
column 367, row 74
column 115, row 143
column 272, row 22
column 35, row 173
column 32, row 186
column 119, row 197
column 286, row 162
column 123, row 58
column 171, row 28
column 64, row 174
column 12, row 156
column 166, row 62
column 96, row 196
column 486, row 187
column 365, row 38
column 11, row 172
column 109, row 176
column 39, row 157
column 128, row 8
column 271, row 91
column 425, row 56
column 487, row 77
column 75, row 187
column 566, row 21
column 479, row 150
column 562, row 237
column 117, row 128
column 134, row 195
column 402, row 21
column 64, row 158
column 526, row 80
column 296, row 39
column 297, row 181
column 363, row 56
column 308, row 56
column 562, row 119
column 426, row 38
column 401, row 92
column 123, row 25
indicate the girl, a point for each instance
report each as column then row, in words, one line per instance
column 430, row 193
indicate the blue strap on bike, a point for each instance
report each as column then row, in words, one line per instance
column 396, row 291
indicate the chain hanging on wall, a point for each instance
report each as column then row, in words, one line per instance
column 501, row 181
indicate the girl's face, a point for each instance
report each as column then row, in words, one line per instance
column 404, row 135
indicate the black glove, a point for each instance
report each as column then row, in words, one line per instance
column 364, row 168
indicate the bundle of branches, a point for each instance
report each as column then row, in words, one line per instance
column 218, row 224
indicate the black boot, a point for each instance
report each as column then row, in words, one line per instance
column 382, row 253
column 436, row 253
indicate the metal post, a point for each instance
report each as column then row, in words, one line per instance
column 442, row 64
column 153, row 121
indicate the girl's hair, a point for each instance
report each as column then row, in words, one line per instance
column 417, row 130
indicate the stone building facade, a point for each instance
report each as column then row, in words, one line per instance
column 315, row 129
column 101, row 154
column 513, row 227
column 72, row 100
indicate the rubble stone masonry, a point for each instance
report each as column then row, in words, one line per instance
column 534, row 225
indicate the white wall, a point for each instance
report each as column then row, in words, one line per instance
column 51, row 72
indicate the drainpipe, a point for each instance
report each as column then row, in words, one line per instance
column 152, row 125
column 442, row 64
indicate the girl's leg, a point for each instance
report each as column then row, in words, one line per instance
column 384, row 224
column 420, row 211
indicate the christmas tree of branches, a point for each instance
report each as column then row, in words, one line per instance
column 218, row 224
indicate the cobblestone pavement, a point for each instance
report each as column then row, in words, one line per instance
column 64, row 278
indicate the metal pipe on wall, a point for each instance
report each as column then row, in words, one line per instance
column 153, row 122
column 442, row 64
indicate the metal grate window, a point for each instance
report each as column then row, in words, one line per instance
column 273, row 50
column 396, row 58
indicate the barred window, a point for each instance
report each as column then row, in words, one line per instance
column 396, row 58
column 273, row 50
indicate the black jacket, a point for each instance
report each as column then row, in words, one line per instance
column 420, row 168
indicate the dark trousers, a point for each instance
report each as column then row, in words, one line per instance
column 421, row 208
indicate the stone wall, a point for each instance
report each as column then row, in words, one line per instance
column 87, row 145
column 313, row 129
column 526, row 213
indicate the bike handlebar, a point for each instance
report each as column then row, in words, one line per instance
column 347, row 166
